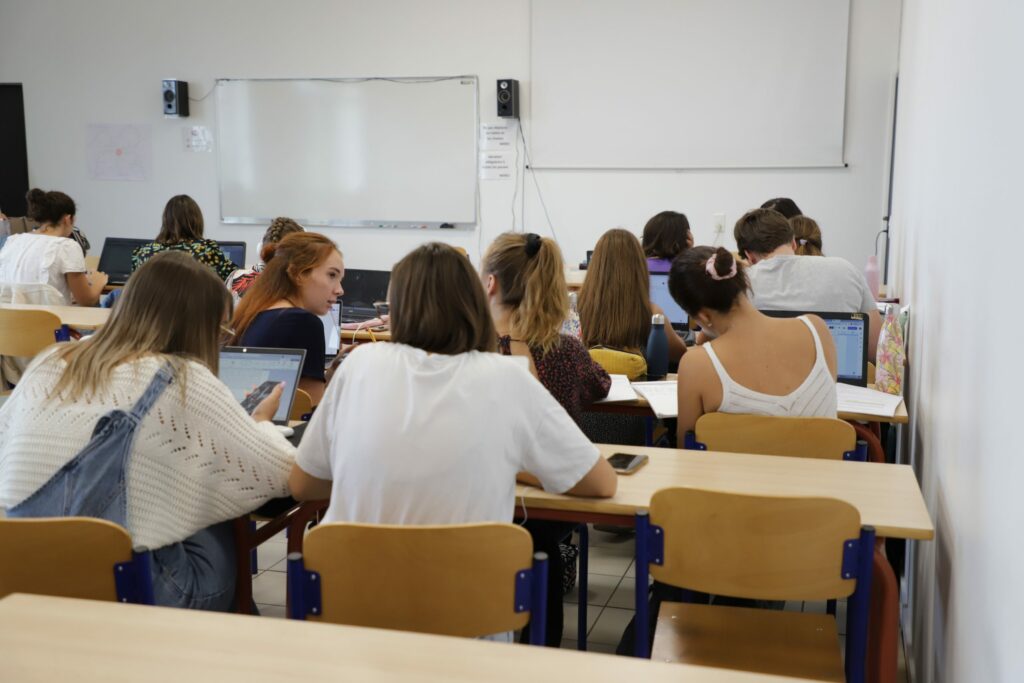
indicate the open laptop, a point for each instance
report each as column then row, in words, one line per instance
column 850, row 334
column 674, row 313
column 116, row 258
column 332, row 331
column 362, row 289
column 251, row 374
column 235, row 251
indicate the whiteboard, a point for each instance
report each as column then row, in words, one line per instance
column 359, row 152
column 688, row 83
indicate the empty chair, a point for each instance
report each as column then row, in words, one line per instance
column 462, row 580
column 73, row 557
column 23, row 334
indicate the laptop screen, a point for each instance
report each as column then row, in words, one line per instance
column 251, row 373
column 116, row 258
column 332, row 329
column 235, row 251
column 363, row 288
column 660, row 296
column 850, row 335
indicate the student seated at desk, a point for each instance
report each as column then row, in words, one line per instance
column 615, row 303
column 666, row 236
column 242, row 279
column 194, row 461
column 46, row 256
column 182, row 230
column 434, row 427
column 807, row 235
column 754, row 364
column 301, row 280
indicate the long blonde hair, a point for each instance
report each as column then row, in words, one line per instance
column 615, row 301
column 807, row 235
column 531, row 277
column 172, row 306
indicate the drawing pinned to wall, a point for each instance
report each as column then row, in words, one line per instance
column 119, row 151
column 197, row 138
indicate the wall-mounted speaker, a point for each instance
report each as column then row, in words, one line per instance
column 175, row 97
column 508, row 98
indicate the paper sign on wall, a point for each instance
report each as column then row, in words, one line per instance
column 119, row 151
column 197, row 138
column 496, row 166
column 497, row 136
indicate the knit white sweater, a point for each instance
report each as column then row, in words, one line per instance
column 195, row 462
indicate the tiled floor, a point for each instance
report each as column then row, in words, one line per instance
column 609, row 595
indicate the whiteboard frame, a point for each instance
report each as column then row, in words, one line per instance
column 346, row 223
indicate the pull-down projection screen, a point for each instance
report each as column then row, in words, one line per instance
column 360, row 152
column 688, row 83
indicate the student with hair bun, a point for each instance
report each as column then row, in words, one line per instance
column 242, row 279
column 301, row 280
column 46, row 256
column 182, row 230
column 807, row 235
column 753, row 364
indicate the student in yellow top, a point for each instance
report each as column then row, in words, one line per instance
column 615, row 304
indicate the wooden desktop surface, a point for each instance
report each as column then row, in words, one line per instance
column 62, row 639
column 78, row 317
column 375, row 334
column 887, row 496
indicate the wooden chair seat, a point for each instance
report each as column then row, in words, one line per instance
column 766, row 641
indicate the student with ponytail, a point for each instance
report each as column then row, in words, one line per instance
column 242, row 279
column 753, row 364
column 46, row 256
column 301, row 280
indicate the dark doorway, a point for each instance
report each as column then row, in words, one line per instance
column 13, row 150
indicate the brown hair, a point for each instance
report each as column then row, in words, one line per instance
column 278, row 229
column 172, row 306
column 182, row 221
column 615, row 301
column 762, row 231
column 531, row 276
column 438, row 303
column 48, row 208
column 807, row 235
column 666, row 235
column 287, row 261
column 694, row 288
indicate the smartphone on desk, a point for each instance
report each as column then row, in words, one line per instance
column 627, row 463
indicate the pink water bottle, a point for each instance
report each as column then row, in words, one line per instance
column 871, row 275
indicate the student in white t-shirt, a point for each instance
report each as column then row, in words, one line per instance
column 47, row 256
column 434, row 427
column 780, row 280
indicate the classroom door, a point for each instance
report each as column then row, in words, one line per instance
column 13, row 150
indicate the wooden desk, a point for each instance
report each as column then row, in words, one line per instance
column 887, row 496
column 61, row 639
column 376, row 334
column 78, row 317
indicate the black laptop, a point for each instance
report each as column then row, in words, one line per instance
column 362, row 289
column 116, row 258
column 850, row 334
column 235, row 251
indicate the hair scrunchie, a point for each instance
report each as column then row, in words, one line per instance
column 710, row 268
column 532, row 244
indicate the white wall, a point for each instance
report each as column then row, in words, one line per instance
column 957, row 195
column 101, row 62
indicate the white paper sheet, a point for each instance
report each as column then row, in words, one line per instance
column 495, row 166
column 866, row 401
column 662, row 396
column 621, row 390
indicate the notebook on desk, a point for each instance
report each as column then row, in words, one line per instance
column 674, row 313
column 252, row 373
column 362, row 289
column 850, row 334
column 116, row 258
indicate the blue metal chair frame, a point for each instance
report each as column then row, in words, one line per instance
column 133, row 580
column 531, row 593
column 858, row 454
column 857, row 553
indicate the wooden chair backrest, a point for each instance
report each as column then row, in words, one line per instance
column 92, row 262
column 70, row 557
column 301, row 404
column 762, row 547
column 871, row 372
column 25, row 333
column 454, row 580
column 800, row 437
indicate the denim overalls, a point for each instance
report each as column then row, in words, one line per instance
column 197, row 572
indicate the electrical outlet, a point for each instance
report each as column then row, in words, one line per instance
column 718, row 221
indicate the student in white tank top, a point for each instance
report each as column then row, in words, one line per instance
column 755, row 364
